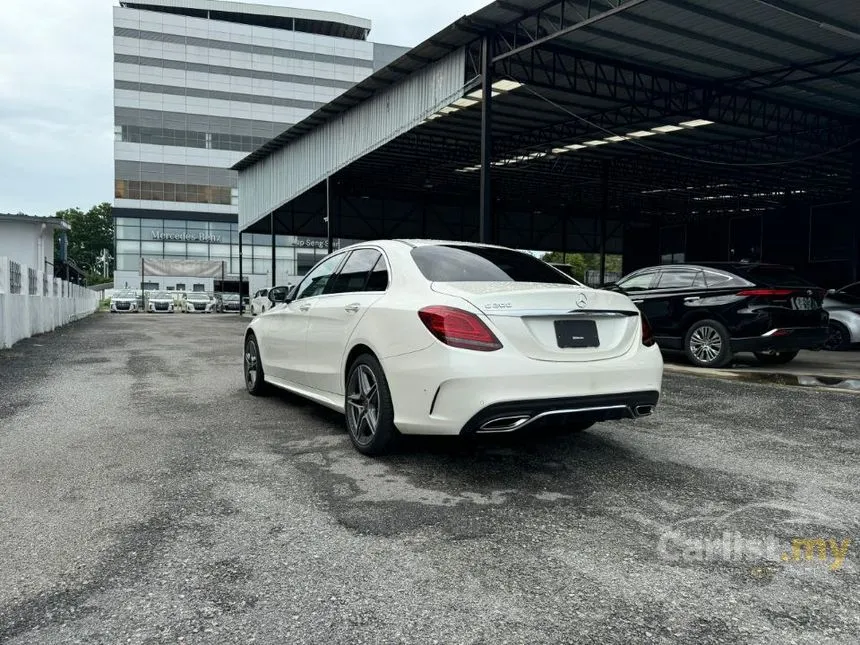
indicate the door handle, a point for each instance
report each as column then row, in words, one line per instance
column 353, row 307
column 638, row 302
column 304, row 307
column 692, row 299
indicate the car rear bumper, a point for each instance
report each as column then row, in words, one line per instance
column 446, row 391
column 783, row 339
column 514, row 416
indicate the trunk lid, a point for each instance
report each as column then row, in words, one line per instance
column 553, row 322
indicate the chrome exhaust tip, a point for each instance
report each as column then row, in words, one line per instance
column 644, row 410
column 503, row 424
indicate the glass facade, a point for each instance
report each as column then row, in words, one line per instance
column 187, row 239
column 169, row 192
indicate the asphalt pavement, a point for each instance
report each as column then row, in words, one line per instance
column 146, row 498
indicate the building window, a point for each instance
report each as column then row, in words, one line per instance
column 180, row 286
column 162, row 191
column 151, row 286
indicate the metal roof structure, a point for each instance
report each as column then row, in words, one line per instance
column 667, row 109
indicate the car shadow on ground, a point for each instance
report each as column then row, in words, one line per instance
column 531, row 439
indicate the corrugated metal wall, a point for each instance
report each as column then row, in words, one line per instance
column 305, row 162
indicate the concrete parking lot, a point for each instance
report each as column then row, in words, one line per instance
column 147, row 499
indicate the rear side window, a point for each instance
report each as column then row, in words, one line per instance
column 679, row 279
column 353, row 276
column 378, row 280
column 452, row 263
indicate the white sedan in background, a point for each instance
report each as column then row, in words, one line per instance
column 451, row 338
column 264, row 299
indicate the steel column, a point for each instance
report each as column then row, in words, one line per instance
column 328, row 214
column 241, row 275
column 855, row 210
column 485, row 228
column 604, row 214
column 274, row 264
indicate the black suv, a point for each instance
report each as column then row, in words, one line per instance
column 712, row 311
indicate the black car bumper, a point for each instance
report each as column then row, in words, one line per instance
column 513, row 416
column 785, row 339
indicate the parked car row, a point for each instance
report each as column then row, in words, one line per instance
column 712, row 311
column 132, row 300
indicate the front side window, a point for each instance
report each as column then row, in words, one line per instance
column 353, row 276
column 638, row 282
column 316, row 281
column 453, row 263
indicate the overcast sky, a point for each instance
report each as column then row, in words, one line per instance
column 56, row 96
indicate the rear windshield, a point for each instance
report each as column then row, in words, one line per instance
column 775, row 277
column 454, row 263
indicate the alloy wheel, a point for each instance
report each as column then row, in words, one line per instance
column 706, row 344
column 252, row 361
column 835, row 339
column 363, row 404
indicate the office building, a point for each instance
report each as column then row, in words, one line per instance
column 198, row 84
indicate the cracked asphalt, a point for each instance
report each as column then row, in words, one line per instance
column 146, row 498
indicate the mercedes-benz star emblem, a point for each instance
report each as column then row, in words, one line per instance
column 581, row 301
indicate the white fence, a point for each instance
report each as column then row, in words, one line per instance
column 33, row 302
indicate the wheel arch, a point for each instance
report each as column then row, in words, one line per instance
column 692, row 317
column 354, row 352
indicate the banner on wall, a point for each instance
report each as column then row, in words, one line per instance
column 157, row 267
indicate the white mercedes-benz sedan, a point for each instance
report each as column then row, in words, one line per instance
column 453, row 338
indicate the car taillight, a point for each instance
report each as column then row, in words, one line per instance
column 647, row 332
column 765, row 292
column 459, row 328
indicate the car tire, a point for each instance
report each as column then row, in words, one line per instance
column 776, row 358
column 839, row 338
column 707, row 343
column 255, row 381
column 368, row 408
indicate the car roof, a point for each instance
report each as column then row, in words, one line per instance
column 428, row 242
column 727, row 266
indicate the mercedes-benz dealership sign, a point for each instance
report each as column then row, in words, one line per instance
column 186, row 237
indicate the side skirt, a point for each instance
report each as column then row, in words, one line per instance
column 317, row 396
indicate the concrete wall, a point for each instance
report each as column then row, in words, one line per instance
column 52, row 304
column 26, row 243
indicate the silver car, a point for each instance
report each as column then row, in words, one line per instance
column 125, row 301
column 200, row 302
column 160, row 302
column 843, row 305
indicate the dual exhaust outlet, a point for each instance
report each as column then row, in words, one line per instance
column 515, row 422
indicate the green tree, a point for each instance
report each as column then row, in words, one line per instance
column 91, row 232
column 582, row 262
